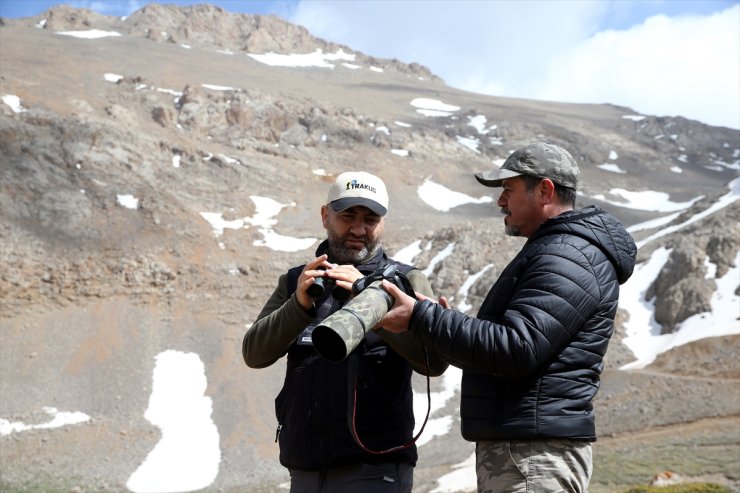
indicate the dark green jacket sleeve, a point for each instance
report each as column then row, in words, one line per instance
column 409, row 346
column 279, row 323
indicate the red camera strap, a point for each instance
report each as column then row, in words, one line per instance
column 353, row 426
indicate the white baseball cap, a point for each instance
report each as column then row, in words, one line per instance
column 353, row 188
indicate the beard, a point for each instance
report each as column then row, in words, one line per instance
column 340, row 254
column 509, row 229
column 512, row 231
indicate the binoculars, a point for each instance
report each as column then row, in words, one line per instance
column 322, row 284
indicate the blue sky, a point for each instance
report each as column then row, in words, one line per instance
column 658, row 57
column 26, row 8
column 625, row 13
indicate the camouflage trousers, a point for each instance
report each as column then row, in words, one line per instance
column 538, row 466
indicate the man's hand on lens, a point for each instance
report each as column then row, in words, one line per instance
column 398, row 317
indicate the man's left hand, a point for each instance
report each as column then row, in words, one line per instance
column 344, row 275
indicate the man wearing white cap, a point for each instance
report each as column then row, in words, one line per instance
column 315, row 424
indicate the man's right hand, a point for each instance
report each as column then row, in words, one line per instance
column 314, row 268
column 397, row 319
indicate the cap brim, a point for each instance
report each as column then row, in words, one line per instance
column 494, row 178
column 347, row 202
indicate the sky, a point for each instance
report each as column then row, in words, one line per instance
column 657, row 57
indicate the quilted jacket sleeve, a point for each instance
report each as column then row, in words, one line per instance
column 518, row 330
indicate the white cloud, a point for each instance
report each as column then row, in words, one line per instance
column 686, row 65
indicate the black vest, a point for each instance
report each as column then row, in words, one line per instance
column 312, row 406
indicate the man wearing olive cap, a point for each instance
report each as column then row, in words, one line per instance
column 315, row 430
column 533, row 355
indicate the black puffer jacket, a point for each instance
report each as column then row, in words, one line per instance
column 533, row 357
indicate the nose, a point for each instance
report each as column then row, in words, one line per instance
column 501, row 202
column 358, row 227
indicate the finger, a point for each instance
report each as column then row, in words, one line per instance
column 342, row 273
column 321, row 261
column 343, row 284
column 420, row 296
column 392, row 289
column 311, row 265
column 317, row 267
column 443, row 301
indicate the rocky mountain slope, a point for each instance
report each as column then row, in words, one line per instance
column 175, row 115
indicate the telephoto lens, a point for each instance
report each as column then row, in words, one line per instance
column 340, row 333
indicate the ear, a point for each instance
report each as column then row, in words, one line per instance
column 547, row 191
column 325, row 216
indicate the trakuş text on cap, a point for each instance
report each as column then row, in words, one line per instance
column 358, row 188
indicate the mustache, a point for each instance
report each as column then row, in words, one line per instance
column 352, row 237
column 505, row 211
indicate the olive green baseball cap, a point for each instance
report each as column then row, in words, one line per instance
column 541, row 160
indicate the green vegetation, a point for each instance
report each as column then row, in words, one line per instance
column 681, row 488
column 710, row 451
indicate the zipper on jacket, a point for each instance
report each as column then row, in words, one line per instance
column 277, row 432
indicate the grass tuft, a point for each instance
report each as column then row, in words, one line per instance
column 680, row 488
